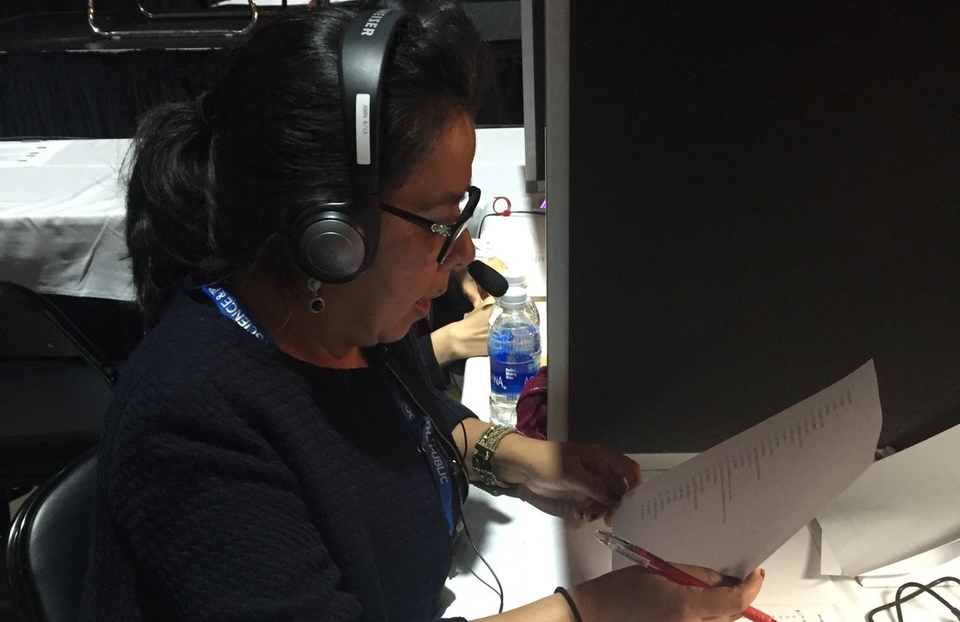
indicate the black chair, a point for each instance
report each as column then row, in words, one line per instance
column 54, row 390
column 49, row 543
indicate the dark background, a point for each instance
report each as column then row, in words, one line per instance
column 764, row 196
column 59, row 79
column 769, row 190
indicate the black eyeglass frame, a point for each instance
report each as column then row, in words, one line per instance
column 450, row 232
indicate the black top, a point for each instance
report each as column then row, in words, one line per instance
column 237, row 483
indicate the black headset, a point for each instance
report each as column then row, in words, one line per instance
column 334, row 242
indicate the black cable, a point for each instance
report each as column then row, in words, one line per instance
column 463, row 520
column 458, row 460
column 899, row 599
column 484, row 581
column 499, row 590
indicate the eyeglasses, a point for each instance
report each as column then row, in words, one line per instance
column 450, row 232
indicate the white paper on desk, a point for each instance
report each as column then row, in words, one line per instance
column 732, row 506
column 942, row 561
column 802, row 613
column 904, row 505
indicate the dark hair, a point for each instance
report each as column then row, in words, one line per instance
column 210, row 193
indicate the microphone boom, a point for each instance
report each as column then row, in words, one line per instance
column 487, row 278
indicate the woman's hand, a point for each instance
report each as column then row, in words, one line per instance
column 635, row 593
column 589, row 479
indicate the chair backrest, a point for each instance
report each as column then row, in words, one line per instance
column 55, row 387
column 54, row 383
column 49, row 543
column 32, row 327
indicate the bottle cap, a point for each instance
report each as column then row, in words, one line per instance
column 514, row 298
column 514, row 277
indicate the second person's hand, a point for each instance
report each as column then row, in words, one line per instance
column 463, row 338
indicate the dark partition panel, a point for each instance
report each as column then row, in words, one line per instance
column 763, row 196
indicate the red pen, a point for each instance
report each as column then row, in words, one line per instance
column 648, row 560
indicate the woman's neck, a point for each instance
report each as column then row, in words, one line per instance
column 285, row 315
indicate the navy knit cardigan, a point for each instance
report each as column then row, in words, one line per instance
column 236, row 483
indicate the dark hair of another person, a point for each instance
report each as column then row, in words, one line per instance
column 211, row 198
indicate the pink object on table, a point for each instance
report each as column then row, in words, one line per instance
column 532, row 406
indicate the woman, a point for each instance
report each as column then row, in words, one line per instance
column 274, row 450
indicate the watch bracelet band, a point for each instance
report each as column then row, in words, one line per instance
column 483, row 452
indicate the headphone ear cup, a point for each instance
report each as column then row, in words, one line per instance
column 329, row 244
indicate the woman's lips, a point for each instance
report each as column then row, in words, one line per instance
column 422, row 306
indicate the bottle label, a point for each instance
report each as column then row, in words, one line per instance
column 508, row 373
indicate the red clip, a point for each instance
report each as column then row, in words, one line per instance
column 505, row 212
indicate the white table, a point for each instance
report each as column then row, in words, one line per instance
column 533, row 552
column 61, row 217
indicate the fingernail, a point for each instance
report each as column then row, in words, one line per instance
column 763, row 573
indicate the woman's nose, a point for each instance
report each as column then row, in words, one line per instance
column 462, row 253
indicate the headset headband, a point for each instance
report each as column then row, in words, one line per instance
column 363, row 57
column 335, row 241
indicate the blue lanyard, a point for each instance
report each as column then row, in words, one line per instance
column 229, row 306
column 422, row 429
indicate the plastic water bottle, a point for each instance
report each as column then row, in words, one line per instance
column 515, row 278
column 514, row 348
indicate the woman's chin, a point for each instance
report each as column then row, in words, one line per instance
column 399, row 330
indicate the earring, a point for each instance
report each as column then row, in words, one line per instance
column 317, row 303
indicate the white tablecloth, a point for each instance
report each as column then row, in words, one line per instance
column 61, row 209
column 61, row 217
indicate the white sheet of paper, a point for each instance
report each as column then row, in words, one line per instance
column 942, row 561
column 868, row 525
column 802, row 613
column 732, row 506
